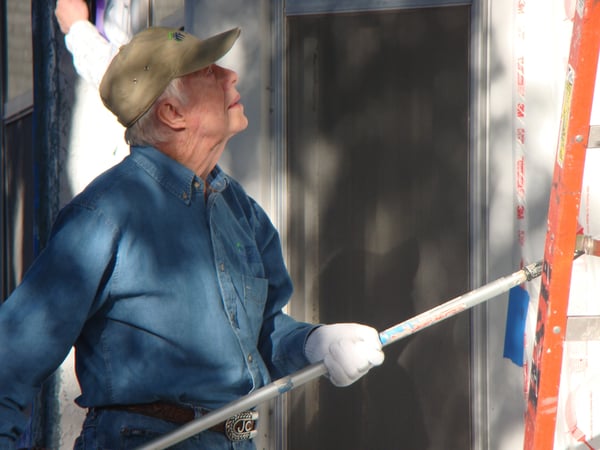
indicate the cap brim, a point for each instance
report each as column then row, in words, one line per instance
column 208, row 51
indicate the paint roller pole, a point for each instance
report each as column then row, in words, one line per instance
column 388, row 336
column 459, row 304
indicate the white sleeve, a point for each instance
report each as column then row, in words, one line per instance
column 92, row 53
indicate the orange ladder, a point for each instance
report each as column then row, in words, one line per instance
column 565, row 197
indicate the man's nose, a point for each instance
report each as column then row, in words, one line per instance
column 228, row 76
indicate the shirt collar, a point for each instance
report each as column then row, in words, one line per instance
column 173, row 176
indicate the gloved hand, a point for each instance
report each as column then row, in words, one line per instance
column 348, row 350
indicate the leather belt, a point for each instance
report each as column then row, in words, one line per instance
column 240, row 427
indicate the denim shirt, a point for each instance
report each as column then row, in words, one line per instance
column 167, row 293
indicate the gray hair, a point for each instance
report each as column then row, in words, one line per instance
column 147, row 130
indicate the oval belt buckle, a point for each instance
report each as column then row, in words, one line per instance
column 241, row 427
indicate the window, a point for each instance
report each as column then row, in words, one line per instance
column 131, row 16
column 16, row 170
column 19, row 51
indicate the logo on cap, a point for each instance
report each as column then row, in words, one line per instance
column 176, row 36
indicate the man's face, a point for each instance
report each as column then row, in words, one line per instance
column 214, row 102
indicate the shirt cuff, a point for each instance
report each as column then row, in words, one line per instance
column 7, row 443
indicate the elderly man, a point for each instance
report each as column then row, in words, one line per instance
column 165, row 275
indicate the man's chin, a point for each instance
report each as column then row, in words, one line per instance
column 242, row 125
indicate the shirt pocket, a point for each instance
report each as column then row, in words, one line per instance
column 255, row 297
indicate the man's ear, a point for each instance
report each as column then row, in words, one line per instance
column 171, row 114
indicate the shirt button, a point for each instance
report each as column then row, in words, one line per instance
column 196, row 185
column 222, row 267
column 250, row 358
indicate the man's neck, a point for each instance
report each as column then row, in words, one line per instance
column 201, row 158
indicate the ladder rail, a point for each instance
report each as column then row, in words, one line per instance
column 565, row 198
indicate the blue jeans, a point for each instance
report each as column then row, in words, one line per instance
column 119, row 430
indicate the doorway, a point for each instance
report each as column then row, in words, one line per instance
column 378, row 226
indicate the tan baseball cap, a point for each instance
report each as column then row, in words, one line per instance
column 143, row 68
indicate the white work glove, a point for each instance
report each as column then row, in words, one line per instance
column 348, row 350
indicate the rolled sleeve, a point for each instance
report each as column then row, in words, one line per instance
column 92, row 53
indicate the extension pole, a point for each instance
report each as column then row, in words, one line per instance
column 388, row 336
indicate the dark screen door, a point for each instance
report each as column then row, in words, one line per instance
column 377, row 142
